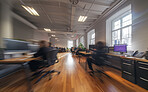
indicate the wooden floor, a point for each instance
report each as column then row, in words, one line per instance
column 73, row 78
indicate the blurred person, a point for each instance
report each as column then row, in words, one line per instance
column 50, row 46
column 72, row 50
column 78, row 49
column 96, row 54
column 42, row 53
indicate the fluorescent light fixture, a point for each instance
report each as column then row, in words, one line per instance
column 46, row 29
column 53, row 35
column 56, row 38
column 31, row 10
column 82, row 18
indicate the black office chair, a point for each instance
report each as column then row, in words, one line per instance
column 51, row 58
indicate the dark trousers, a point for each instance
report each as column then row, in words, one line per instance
column 90, row 61
column 35, row 64
column 97, row 62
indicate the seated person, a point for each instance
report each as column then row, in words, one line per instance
column 72, row 49
column 78, row 49
column 42, row 52
column 53, row 48
column 97, row 53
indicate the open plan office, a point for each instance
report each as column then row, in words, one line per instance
column 73, row 45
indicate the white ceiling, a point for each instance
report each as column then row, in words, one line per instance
column 61, row 15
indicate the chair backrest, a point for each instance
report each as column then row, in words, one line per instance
column 52, row 57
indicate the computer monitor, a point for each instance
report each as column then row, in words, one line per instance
column 120, row 48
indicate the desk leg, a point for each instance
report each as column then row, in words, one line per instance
column 27, row 73
column 86, row 66
column 79, row 59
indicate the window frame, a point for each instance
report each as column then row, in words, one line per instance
column 72, row 43
column 77, row 42
column 89, row 37
column 121, row 28
column 82, row 40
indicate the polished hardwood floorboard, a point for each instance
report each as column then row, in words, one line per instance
column 73, row 78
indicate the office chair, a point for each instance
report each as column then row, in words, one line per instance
column 51, row 58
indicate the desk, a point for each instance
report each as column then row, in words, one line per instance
column 134, row 70
column 85, row 53
column 14, row 53
column 24, row 62
column 131, row 58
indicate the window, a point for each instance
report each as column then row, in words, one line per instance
column 122, row 30
column 119, row 28
column 82, row 40
column 91, row 38
column 70, row 44
column 77, row 42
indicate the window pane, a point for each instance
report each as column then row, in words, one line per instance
column 130, row 31
column 118, row 34
column 70, row 44
column 116, row 37
column 77, row 43
column 117, row 24
column 125, row 32
column 127, row 20
column 93, row 35
column 82, row 40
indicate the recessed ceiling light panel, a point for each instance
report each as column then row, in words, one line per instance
column 31, row 10
column 82, row 18
column 46, row 29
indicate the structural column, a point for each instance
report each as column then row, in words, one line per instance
column 6, row 30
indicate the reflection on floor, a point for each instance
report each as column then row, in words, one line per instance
column 73, row 78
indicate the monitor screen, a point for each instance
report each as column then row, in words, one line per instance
column 120, row 48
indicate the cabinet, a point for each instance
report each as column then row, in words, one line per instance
column 142, row 74
column 128, row 70
column 114, row 61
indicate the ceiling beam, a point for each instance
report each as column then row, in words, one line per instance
column 96, row 3
column 57, row 32
column 72, row 16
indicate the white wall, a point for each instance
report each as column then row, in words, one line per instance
column 140, row 25
column 40, row 35
column 22, row 31
column 60, row 43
